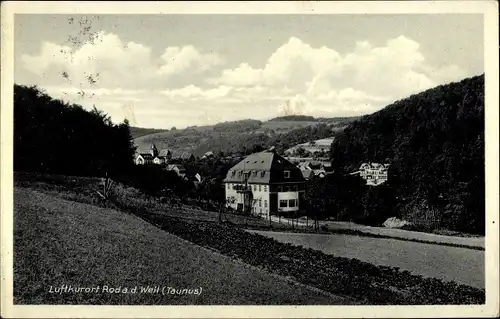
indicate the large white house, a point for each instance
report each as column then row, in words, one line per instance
column 265, row 183
column 374, row 173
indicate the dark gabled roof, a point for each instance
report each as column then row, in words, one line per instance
column 164, row 153
column 146, row 155
column 179, row 167
column 186, row 155
column 314, row 165
column 264, row 168
column 374, row 166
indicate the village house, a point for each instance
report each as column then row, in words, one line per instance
column 265, row 183
column 179, row 169
column 187, row 157
column 152, row 156
column 315, row 169
column 373, row 173
column 163, row 157
column 208, row 155
column 146, row 157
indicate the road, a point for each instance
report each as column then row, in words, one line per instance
column 462, row 265
column 477, row 242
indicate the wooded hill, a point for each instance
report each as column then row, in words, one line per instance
column 245, row 136
column 52, row 136
column 434, row 141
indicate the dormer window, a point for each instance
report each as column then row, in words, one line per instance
column 287, row 174
column 262, row 173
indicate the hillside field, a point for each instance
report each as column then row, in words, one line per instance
column 59, row 242
column 242, row 136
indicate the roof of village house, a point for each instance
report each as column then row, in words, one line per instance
column 264, row 168
column 145, row 148
column 314, row 165
column 186, row 155
column 164, row 152
column 374, row 166
column 146, row 155
column 179, row 167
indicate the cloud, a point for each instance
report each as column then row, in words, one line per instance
column 108, row 62
column 289, row 64
column 176, row 59
column 297, row 78
column 379, row 74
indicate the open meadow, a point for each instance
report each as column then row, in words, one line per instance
column 60, row 242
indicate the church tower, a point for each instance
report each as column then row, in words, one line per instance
column 153, row 151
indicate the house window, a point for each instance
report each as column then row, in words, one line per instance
column 254, row 173
column 260, row 202
column 260, row 189
column 262, row 173
column 291, row 202
column 295, row 187
column 265, row 188
column 280, row 189
column 254, row 187
column 287, row 188
column 283, row 203
column 234, row 173
column 287, row 174
column 265, row 203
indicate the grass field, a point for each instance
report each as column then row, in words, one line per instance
column 139, row 131
column 339, row 276
column 59, row 242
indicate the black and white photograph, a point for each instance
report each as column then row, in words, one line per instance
column 250, row 154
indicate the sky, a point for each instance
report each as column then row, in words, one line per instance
column 160, row 71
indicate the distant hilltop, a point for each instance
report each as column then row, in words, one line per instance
column 308, row 118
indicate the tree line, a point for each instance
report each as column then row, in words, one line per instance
column 434, row 142
column 53, row 136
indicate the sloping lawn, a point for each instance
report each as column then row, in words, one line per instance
column 59, row 242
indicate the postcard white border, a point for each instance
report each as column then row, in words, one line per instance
column 488, row 8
